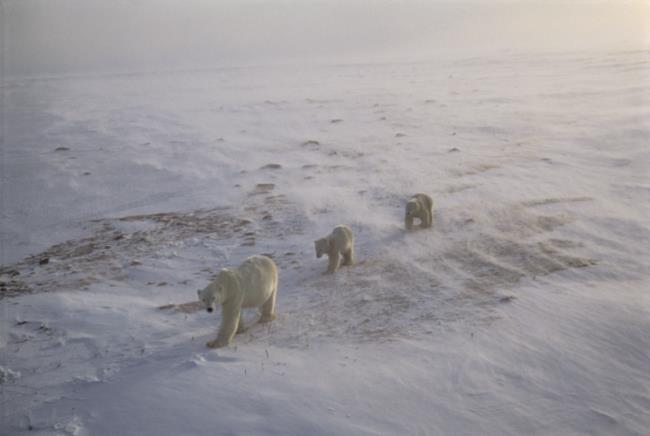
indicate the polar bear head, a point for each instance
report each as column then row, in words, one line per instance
column 412, row 207
column 322, row 247
column 215, row 293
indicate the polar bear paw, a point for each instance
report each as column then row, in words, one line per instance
column 267, row 318
column 217, row 343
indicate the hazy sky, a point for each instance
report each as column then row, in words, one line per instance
column 52, row 36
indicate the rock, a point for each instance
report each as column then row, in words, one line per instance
column 264, row 187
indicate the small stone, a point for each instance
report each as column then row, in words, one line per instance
column 61, row 149
column 264, row 187
column 44, row 261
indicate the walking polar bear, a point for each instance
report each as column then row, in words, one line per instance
column 419, row 206
column 253, row 284
column 338, row 243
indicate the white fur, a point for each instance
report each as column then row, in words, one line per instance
column 338, row 243
column 253, row 284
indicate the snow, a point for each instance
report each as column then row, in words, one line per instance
column 523, row 311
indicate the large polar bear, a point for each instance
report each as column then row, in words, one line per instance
column 419, row 206
column 338, row 243
column 253, row 284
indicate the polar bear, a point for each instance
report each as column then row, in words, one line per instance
column 253, row 284
column 339, row 242
column 419, row 206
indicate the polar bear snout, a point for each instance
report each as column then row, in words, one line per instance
column 210, row 309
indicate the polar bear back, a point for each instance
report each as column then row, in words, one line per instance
column 258, row 279
column 424, row 200
column 341, row 238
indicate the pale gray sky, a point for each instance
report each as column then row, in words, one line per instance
column 56, row 36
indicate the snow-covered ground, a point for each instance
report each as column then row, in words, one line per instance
column 525, row 310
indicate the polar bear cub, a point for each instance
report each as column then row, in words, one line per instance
column 338, row 243
column 419, row 206
column 253, row 284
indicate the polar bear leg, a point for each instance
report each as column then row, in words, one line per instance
column 241, row 328
column 333, row 261
column 230, row 315
column 348, row 256
column 408, row 222
column 424, row 219
column 268, row 308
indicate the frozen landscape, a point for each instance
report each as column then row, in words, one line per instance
column 524, row 310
